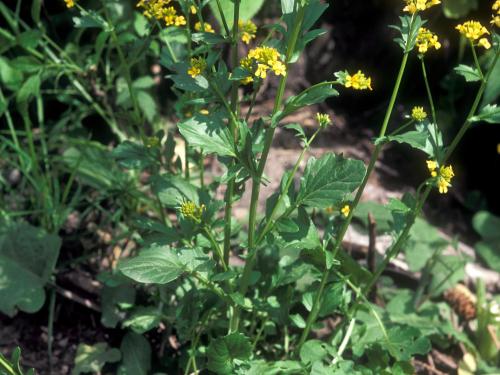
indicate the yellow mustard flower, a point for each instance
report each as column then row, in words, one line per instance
column 154, row 8
column 260, row 60
column 193, row 9
column 426, row 39
column 446, row 174
column 248, row 30
column 432, row 166
column 69, row 3
column 496, row 14
column 198, row 65
column 192, row 211
column 323, row 119
column 358, row 81
column 204, row 112
column 172, row 18
column 346, row 210
column 474, row 31
column 414, row 6
column 206, row 26
column 418, row 114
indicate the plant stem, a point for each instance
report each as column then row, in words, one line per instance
column 216, row 247
column 345, row 341
column 338, row 243
column 228, row 211
column 50, row 328
column 429, row 93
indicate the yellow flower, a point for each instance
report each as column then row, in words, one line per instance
column 154, row 8
column 69, row 3
column 323, row 120
column 446, row 174
column 414, row 6
column 248, row 30
column 496, row 14
column 432, row 166
column 198, row 65
column 346, row 210
column 191, row 211
column 207, row 27
column 418, row 114
column 193, row 9
column 261, row 59
column 426, row 39
column 204, row 112
column 358, row 81
column 474, row 30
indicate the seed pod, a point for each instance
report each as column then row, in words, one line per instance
column 462, row 300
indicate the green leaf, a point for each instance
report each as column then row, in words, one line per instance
column 143, row 319
column 301, row 235
column 36, row 8
column 315, row 94
column 458, row 8
column 173, row 190
column 11, row 77
column 405, row 342
column 489, row 113
column 28, row 256
column 489, row 253
column 209, row 133
column 414, row 138
column 248, row 9
column 29, row 39
column 147, row 105
column 154, row 265
column 487, row 225
column 469, row 73
column 223, row 353
column 446, row 272
column 90, row 19
column 327, row 181
column 29, row 89
column 492, row 91
column 133, row 156
column 111, row 300
column 93, row 358
column 312, row 351
column 136, row 354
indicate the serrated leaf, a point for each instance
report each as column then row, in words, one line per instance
column 315, row 94
column 133, row 156
column 405, row 342
column 414, row 138
column 173, row 190
column 111, row 299
column 328, row 180
column 223, row 351
column 143, row 319
column 469, row 73
column 312, row 351
column 209, row 133
column 489, row 113
column 248, row 9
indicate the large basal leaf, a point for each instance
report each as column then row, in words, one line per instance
column 93, row 358
column 328, row 180
column 136, row 354
column 210, row 133
column 28, row 256
column 155, row 265
column 248, row 9
column 223, row 352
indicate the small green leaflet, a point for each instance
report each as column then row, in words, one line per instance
column 328, row 180
column 414, row 138
column 404, row 342
column 489, row 113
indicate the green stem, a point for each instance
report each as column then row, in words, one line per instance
column 476, row 60
column 345, row 341
column 229, row 196
column 216, row 247
column 223, row 18
column 4, row 364
column 429, row 93
column 314, row 311
column 338, row 243
column 271, row 222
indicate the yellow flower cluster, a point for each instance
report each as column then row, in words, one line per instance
column 444, row 176
column 198, row 65
column 192, row 211
column 418, row 114
column 474, row 30
column 193, row 9
column 346, row 210
column 496, row 14
column 161, row 10
column 414, row 6
column 69, row 3
column 248, row 30
column 323, row 120
column 206, row 26
column 427, row 39
column 261, row 59
column 358, row 81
